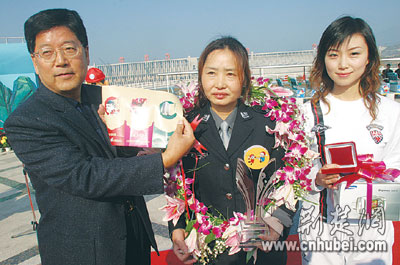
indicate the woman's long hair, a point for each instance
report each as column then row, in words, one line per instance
column 335, row 34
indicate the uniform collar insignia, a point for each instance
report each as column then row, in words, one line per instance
column 244, row 115
column 206, row 117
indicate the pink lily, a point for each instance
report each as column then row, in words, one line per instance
column 237, row 217
column 191, row 243
column 280, row 132
column 284, row 195
column 174, row 208
column 232, row 239
column 279, row 91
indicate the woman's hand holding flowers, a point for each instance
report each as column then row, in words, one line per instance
column 179, row 247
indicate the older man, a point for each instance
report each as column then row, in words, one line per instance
column 89, row 197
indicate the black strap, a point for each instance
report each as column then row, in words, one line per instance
column 320, row 134
column 318, row 128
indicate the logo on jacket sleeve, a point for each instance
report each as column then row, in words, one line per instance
column 375, row 131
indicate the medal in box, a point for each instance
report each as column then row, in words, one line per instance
column 342, row 154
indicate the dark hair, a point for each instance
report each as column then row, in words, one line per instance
column 335, row 34
column 50, row 18
column 242, row 60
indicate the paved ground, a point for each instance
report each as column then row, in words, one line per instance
column 18, row 244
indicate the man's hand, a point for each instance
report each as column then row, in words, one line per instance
column 179, row 144
column 102, row 112
column 179, row 247
column 327, row 181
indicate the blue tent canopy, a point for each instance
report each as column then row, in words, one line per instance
column 15, row 59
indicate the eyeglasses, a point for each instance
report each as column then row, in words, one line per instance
column 49, row 54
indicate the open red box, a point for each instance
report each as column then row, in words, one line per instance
column 342, row 154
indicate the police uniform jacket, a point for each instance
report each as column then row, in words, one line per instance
column 215, row 174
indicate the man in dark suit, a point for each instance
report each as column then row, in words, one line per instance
column 90, row 198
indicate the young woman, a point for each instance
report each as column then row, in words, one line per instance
column 224, row 79
column 345, row 76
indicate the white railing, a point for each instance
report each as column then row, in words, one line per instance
column 273, row 65
column 7, row 40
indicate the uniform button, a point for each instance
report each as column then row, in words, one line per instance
column 226, row 166
column 228, row 196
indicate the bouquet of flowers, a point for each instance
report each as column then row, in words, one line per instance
column 287, row 185
column 289, row 134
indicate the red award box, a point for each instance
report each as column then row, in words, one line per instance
column 342, row 154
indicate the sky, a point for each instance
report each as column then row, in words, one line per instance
column 132, row 29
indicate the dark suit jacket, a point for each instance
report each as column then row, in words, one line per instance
column 215, row 180
column 80, row 184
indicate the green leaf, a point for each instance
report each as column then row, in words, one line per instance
column 250, row 254
column 189, row 225
column 194, row 169
column 209, row 238
column 218, row 221
column 269, row 205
